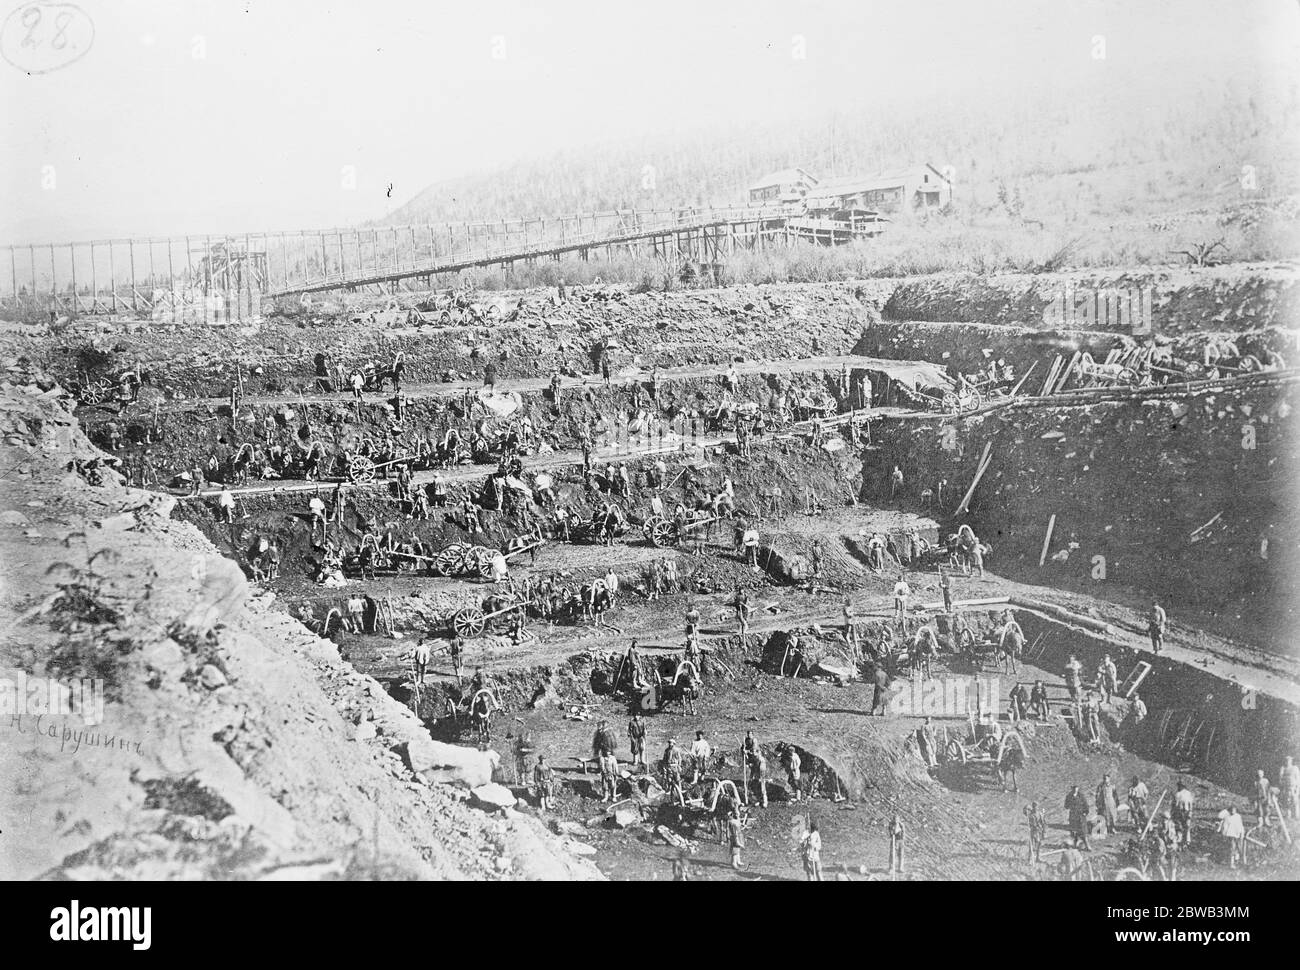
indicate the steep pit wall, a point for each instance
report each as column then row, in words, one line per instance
column 1134, row 482
column 1233, row 728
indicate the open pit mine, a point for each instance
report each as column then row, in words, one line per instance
column 964, row 572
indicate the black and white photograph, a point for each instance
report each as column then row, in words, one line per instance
column 646, row 442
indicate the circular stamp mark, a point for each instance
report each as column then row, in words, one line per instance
column 43, row 36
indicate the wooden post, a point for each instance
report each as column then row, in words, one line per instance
column 54, row 282
column 112, row 279
column 979, row 473
column 130, row 255
column 1047, row 539
column 72, row 256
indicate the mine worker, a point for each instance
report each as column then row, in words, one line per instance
column 880, row 696
column 1071, row 866
column 624, row 485
column 226, row 504
column 672, row 768
column 876, row 552
column 1092, row 717
column 1105, row 801
column 608, row 777
column 1108, row 678
column 477, row 681
column 749, row 542
column 701, row 751
column 850, row 627
column 1137, row 802
column 317, row 508
column 490, row 375
column 755, row 765
column 1184, row 801
column 1259, row 794
column 1019, row 702
column 811, row 850
column 457, row 651
column 544, row 783
column 356, row 612
column 556, row 382
column 792, row 763
column 358, row 385
column 1138, row 710
column 902, row 592
column 735, row 837
column 925, row 644
column 1233, row 832
column 742, row 610
column 818, row 432
column 636, row 738
column 895, row 482
column 657, row 505
column 1157, row 620
column 864, row 392
column 1290, row 784
column 1167, row 834
column 897, row 836
column 611, row 586
column 925, row 744
column 1072, row 677
column 421, row 657
column 1037, row 820
column 1077, row 805
column 517, row 626
column 692, row 621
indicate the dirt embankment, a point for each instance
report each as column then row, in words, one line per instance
column 233, row 743
column 172, row 441
column 970, row 347
column 1185, row 499
column 1236, row 297
column 668, row 329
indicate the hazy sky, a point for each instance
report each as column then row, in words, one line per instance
column 188, row 116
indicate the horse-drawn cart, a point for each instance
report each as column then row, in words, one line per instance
column 661, row 531
column 471, row 621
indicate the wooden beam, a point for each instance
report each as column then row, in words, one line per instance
column 979, row 473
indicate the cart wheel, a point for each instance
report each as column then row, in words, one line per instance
column 973, row 400
column 361, row 470
column 661, row 534
column 966, row 643
column 469, row 622
column 445, row 562
column 1127, row 375
column 648, row 527
column 92, row 393
column 493, row 312
column 485, row 567
column 956, row 752
column 951, row 402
